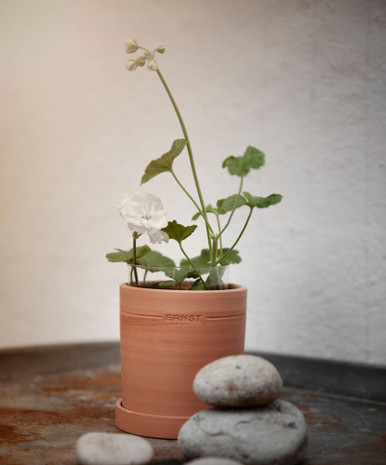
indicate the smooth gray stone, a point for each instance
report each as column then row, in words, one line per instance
column 113, row 449
column 238, row 381
column 273, row 434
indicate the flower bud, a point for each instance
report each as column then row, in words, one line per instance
column 131, row 65
column 152, row 64
column 140, row 61
column 131, row 46
column 161, row 49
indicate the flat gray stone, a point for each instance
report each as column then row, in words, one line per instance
column 113, row 449
column 213, row 461
column 238, row 381
column 273, row 434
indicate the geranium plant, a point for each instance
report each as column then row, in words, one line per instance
column 145, row 214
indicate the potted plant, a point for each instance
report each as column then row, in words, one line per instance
column 176, row 319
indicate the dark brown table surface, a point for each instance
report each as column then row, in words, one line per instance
column 50, row 396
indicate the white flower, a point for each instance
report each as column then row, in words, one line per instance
column 145, row 214
column 131, row 46
column 157, row 236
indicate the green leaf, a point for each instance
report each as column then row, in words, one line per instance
column 198, row 285
column 127, row 255
column 196, row 216
column 208, row 209
column 202, row 261
column 231, row 258
column 165, row 162
column 163, row 285
column 155, row 260
column 230, row 203
column 178, row 275
column 178, row 232
column 253, row 158
column 262, row 202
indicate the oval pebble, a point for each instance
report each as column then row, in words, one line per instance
column 213, row 461
column 113, row 449
column 274, row 434
column 238, row 381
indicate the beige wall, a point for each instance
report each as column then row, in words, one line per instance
column 302, row 80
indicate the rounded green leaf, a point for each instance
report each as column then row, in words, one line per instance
column 262, row 202
column 253, row 158
column 127, row 255
column 203, row 260
column 230, row 203
column 178, row 275
column 233, row 257
column 155, row 260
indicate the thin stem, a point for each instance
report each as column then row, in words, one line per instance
column 135, row 257
column 214, row 251
column 192, row 265
column 238, row 238
column 234, row 207
column 219, row 230
column 189, row 148
column 144, row 277
column 192, row 199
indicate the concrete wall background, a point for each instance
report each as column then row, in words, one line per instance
column 305, row 81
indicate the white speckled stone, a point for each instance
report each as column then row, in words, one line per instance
column 274, row 434
column 238, row 381
column 213, row 461
column 113, row 449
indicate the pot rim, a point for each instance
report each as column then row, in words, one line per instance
column 232, row 289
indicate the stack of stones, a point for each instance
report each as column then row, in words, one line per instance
column 247, row 422
column 247, row 425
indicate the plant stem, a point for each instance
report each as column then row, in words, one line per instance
column 189, row 148
column 192, row 265
column 192, row 199
column 219, row 231
column 144, row 277
column 135, row 257
column 237, row 240
column 234, row 207
column 214, row 252
column 215, row 241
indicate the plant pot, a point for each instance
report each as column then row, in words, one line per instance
column 167, row 336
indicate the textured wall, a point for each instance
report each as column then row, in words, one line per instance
column 302, row 80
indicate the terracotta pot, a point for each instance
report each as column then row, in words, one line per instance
column 166, row 337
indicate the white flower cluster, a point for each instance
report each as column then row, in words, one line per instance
column 131, row 46
column 145, row 214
